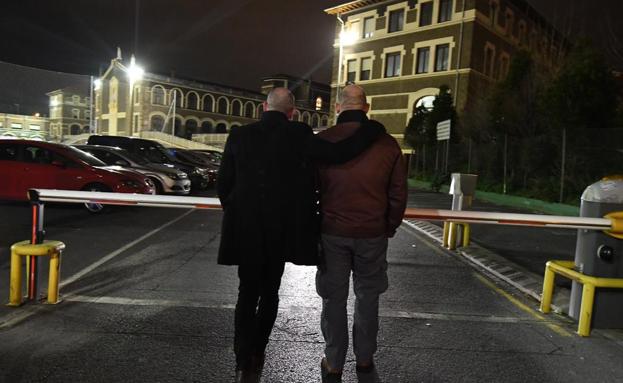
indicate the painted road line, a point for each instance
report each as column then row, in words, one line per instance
column 554, row 327
column 532, row 312
column 27, row 311
column 285, row 308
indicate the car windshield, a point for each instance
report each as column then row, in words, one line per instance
column 85, row 157
column 154, row 153
column 135, row 158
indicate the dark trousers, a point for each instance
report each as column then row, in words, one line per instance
column 256, row 309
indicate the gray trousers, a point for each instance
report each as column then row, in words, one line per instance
column 367, row 259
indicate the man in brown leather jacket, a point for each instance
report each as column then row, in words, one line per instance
column 362, row 202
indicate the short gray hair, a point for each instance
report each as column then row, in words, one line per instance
column 281, row 100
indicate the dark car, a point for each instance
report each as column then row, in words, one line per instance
column 26, row 164
column 196, row 159
column 166, row 178
column 154, row 152
column 213, row 155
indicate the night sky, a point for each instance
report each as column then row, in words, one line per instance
column 233, row 42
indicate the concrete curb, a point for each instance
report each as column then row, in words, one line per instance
column 525, row 281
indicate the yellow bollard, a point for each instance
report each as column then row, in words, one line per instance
column 548, row 289
column 446, row 230
column 452, row 235
column 586, row 309
column 15, row 287
column 52, row 249
column 466, row 234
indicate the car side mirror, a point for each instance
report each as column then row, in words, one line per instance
column 59, row 164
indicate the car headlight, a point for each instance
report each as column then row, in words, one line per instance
column 130, row 184
column 200, row 171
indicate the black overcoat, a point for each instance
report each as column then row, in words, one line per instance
column 266, row 184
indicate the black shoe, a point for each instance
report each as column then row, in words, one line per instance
column 257, row 362
column 329, row 376
column 247, row 376
column 365, row 368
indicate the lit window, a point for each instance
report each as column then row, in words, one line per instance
column 318, row 103
column 366, row 69
column 392, row 65
column 351, row 71
column 396, row 20
column 426, row 101
column 423, row 56
column 368, row 27
column 445, row 10
column 426, row 13
column 34, row 127
column 441, row 57
column 16, row 126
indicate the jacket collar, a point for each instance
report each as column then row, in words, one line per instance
column 352, row 116
column 274, row 116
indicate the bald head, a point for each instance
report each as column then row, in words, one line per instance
column 280, row 100
column 353, row 97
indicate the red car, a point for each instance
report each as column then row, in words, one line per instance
column 34, row 164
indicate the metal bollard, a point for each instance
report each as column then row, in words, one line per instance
column 52, row 249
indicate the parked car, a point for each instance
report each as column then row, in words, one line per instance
column 197, row 160
column 26, row 164
column 213, row 155
column 154, row 152
column 166, row 179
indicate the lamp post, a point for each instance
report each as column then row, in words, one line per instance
column 135, row 74
column 346, row 38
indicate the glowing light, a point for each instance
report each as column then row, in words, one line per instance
column 97, row 83
column 347, row 38
column 135, row 72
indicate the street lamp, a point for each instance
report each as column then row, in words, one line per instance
column 135, row 74
column 346, row 38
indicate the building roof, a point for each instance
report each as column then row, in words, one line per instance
column 351, row 6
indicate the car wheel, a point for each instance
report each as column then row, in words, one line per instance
column 95, row 207
column 158, row 186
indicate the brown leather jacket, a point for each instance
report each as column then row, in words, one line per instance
column 365, row 197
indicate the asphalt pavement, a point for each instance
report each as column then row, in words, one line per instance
column 144, row 301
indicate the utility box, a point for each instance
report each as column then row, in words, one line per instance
column 600, row 255
column 462, row 189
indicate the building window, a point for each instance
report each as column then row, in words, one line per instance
column 192, row 101
column 157, row 95
column 392, row 64
column 426, row 13
column 522, row 32
column 445, row 10
column 368, row 27
column 75, row 113
column 510, row 21
column 442, row 54
column 493, row 13
column 177, row 95
column 136, row 95
column 16, row 126
column 135, row 123
column 366, row 69
column 503, row 67
column 396, row 20
column 87, row 114
column 75, row 99
column 351, row 70
column 488, row 64
column 318, row 103
column 423, row 57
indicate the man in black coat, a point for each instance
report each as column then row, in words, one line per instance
column 266, row 184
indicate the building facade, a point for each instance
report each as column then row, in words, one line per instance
column 187, row 108
column 404, row 51
column 25, row 127
column 70, row 112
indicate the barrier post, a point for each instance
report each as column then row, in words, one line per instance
column 548, row 289
column 37, row 237
column 586, row 309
